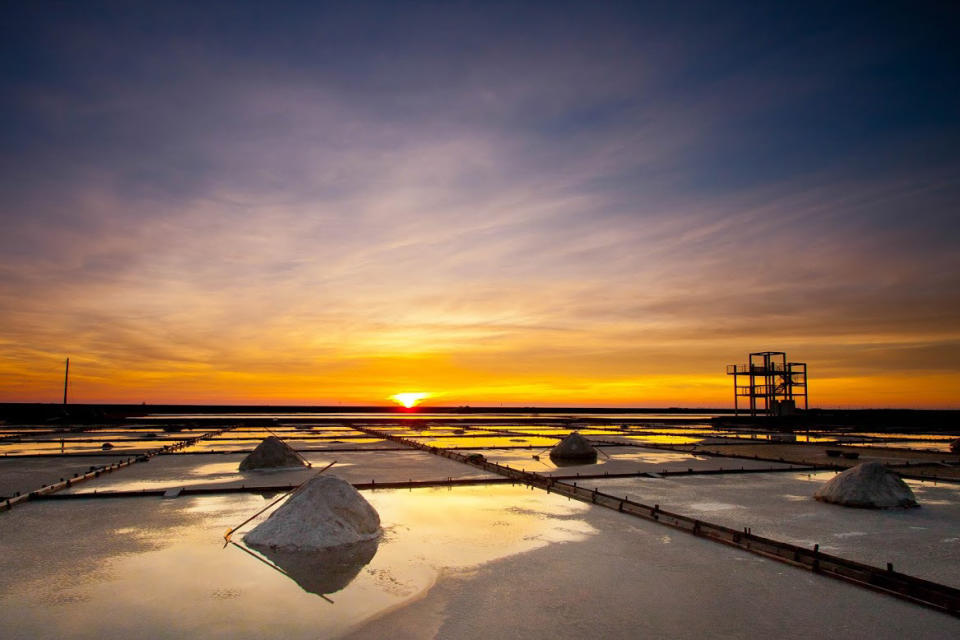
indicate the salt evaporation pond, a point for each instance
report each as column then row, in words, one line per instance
column 461, row 562
column 467, row 562
column 117, row 568
column 626, row 459
column 636, row 579
column 923, row 542
column 220, row 471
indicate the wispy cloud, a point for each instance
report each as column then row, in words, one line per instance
column 594, row 210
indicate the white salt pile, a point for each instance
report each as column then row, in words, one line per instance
column 271, row 453
column 869, row 485
column 324, row 513
column 574, row 447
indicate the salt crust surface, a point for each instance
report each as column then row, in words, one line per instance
column 325, row 513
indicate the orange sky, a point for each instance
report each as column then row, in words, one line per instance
column 477, row 377
column 600, row 206
column 262, row 311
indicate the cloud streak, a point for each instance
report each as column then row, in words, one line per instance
column 584, row 211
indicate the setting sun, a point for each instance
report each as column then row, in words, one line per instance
column 408, row 399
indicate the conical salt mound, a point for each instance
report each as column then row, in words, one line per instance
column 573, row 447
column 271, row 453
column 870, row 486
column 326, row 512
column 955, row 446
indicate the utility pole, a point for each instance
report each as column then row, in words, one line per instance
column 66, row 376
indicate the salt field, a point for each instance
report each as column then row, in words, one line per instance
column 127, row 563
column 452, row 320
column 922, row 542
column 467, row 550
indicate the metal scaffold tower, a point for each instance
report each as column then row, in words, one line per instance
column 774, row 385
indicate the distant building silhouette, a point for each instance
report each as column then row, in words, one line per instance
column 774, row 385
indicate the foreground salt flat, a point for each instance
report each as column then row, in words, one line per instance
column 462, row 562
column 114, row 568
column 454, row 563
column 923, row 542
column 635, row 579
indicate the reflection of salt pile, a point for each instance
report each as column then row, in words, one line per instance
column 869, row 485
column 325, row 570
column 574, row 448
column 324, row 513
column 272, row 453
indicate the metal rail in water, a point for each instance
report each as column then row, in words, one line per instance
column 910, row 588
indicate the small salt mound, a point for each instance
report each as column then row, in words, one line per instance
column 955, row 446
column 869, row 485
column 271, row 453
column 324, row 513
column 573, row 447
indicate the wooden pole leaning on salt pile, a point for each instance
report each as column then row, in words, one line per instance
column 231, row 531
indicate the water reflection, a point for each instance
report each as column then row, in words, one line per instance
column 111, row 568
column 665, row 439
column 323, row 571
column 575, row 462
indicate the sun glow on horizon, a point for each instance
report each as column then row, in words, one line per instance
column 409, row 400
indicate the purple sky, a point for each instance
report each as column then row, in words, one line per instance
column 590, row 202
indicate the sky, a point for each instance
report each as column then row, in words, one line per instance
column 555, row 204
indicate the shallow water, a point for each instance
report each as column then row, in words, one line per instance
column 486, row 441
column 942, row 446
column 424, row 413
column 627, row 459
column 129, row 447
column 222, row 470
column 664, row 439
column 28, row 474
column 248, row 445
column 638, row 579
column 146, row 566
column 122, row 568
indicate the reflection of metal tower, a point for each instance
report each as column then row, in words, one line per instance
column 774, row 386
